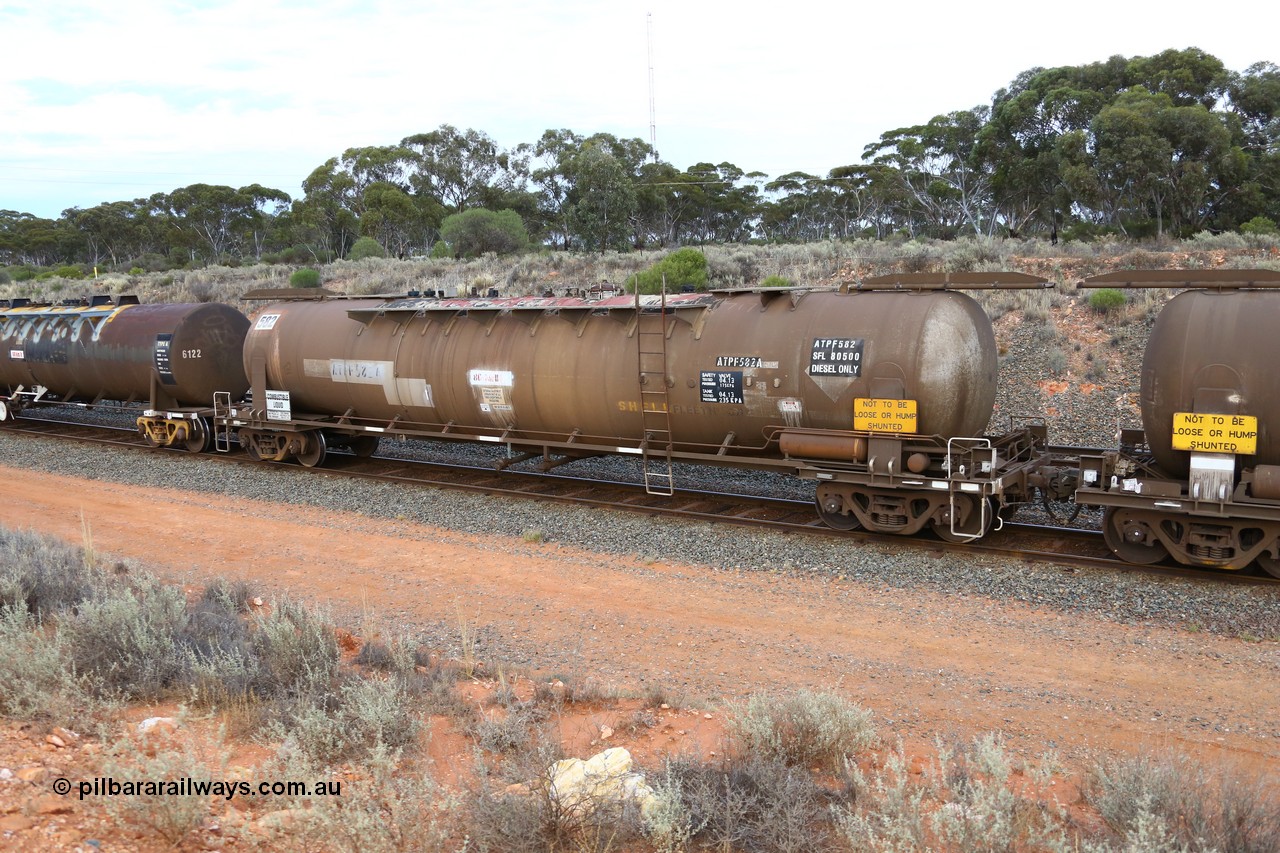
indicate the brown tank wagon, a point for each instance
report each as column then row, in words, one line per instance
column 765, row 378
column 1201, row 480
column 173, row 357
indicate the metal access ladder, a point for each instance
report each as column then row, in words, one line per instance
column 655, row 413
column 222, row 421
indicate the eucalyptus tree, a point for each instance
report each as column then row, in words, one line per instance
column 587, row 186
column 461, row 169
column 855, row 204
column 29, row 239
column 117, row 231
column 941, row 172
column 800, row 210
column 1188, row 77
column 1147, row 160
column 724, row 203
column 656, row 211
column 390, row 216
column 324, row 219
column 1254, row 104
column 218, row 222
column 604, row 198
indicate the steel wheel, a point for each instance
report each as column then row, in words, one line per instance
column 245, row 437
column 829, row 511
column 363, row 445
column 198, row 435
column 315, row 451
column 1269, row 564
column 4, row 411
column 1127, row 539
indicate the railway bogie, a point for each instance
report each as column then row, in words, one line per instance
column 960, row 488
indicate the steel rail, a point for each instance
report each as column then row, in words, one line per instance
column 1071, row 549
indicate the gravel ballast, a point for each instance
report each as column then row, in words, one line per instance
column 1123, row 596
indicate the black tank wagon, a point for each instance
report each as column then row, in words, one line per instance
column 173, row 357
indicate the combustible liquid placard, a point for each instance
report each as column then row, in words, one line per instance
column 881, row 415
column 1215, row 433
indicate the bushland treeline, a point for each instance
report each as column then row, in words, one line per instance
column 1172, row 144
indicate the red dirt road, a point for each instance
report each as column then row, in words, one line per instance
column 923, row 663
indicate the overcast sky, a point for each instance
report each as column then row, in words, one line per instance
column 111, row 101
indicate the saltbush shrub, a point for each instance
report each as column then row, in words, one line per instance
column 43, row 576
column 802, row 730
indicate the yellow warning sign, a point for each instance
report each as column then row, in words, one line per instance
column 881, row 415
column 1215, row 433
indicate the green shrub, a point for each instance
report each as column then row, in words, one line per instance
column 1259, row 225
column 1106, row 299
column 776, row 281
column 366, row 247
column 682, row 268
column 477, row 231
column 441, row 250
column 305, row 277
column 297, row 649
column 169, row 815
column 390, row 811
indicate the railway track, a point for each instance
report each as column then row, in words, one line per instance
column 1071, row 548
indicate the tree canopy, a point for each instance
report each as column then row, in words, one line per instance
column 1173, row 143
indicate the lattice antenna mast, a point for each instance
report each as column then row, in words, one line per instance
column 653, row 124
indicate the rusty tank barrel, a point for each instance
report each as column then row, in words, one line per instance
column 117, row 352
column 1213, row 353
column 725, row 367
